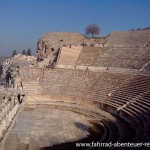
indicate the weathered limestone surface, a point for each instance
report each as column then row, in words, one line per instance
column 69, row 55
column 138, row 38
column 128, row 58
column 19, row 60
column 79, row 83
column 125, row 95
column 10, row 101
column 78, row 89
column 94, row 42
column 16, row 67
column 48, row 46
column 13, row 64
column 131, row 58
column 47, row 127
column 89, row 55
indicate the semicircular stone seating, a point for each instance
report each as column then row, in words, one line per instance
column 121, row 100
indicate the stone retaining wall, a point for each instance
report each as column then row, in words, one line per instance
column 106, row 69
column 10, row 104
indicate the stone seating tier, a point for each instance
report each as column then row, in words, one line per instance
column 136, row 38
column 122, row 57
column 30, row 87
column 88, row 56
column 86, row 88
column 80, row 83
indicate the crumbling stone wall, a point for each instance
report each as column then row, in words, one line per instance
column 11, row 69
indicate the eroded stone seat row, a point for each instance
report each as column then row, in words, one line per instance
column 114, row 93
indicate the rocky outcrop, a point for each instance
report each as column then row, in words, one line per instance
column 50, row 43
column 20, row 60
column 12, row 66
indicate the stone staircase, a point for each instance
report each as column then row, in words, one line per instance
column 30, row 87
column 69, row 55
column 87, row 56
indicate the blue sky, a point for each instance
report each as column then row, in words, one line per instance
column 23, row 22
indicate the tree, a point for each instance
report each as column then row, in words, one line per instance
column 14, row 53
column 29, row 52
column 24, row 52
column 132, row 30
column 92, row 29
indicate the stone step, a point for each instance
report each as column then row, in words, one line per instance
column 143, row 105
column 30, row 89
column 116, row 101
column 30, row 92
column 139, row 108
column 138, row 114
column 133, row 120
column 142, row 102
column 111, row 104
column 132, row 91
column 30, row 86
column 22, row 146
column 33, row 145
column 11, row 142
column 124, row 95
